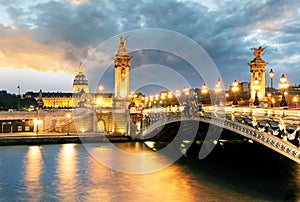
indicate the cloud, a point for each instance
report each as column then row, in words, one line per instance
column 57, row 35
column 19, row 50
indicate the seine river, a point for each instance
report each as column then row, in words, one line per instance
column 67, row 172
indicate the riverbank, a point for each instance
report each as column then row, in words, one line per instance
column 58, row 138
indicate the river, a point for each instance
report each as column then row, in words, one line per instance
column 67, row 172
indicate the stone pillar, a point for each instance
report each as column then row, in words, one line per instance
column 257, row 72
column 121, row 97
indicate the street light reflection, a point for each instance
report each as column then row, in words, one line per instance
column 67, row 171
column 33, row 170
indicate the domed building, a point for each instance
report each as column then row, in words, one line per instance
column 80, row 82
column 79, row 97
column 80, row 90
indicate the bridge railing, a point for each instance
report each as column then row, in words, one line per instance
column 280, row 145
column 277, row 144
column 281, row 112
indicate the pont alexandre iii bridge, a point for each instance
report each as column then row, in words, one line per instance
column 277, row 129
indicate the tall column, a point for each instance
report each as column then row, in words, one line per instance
column 121, row 98
column 257, row 73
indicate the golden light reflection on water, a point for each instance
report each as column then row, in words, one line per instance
column 33, row 171
column 134, row 158
column 109, row 184
column 79, row 177
column 175, row 187
column 67, row 172
column 98, row 177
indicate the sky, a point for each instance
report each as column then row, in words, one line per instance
column 42, row 42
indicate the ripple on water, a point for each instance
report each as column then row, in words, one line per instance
column 68, row 173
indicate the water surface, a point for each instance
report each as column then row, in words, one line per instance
column 67, row 172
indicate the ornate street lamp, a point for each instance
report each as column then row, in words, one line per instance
column 36, row 123
column 204, row 91
column 218, row 90
column 235, row 89
column 283, row 85
column 256, row 87
column 271, row 74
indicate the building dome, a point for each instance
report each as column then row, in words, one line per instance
column 80, row 79
column 80, row 82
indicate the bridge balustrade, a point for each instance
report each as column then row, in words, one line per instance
column 266, row 139
column 283, row 147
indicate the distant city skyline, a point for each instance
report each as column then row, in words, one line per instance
column 43, row 42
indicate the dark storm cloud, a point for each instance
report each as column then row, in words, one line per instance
column 226, row 32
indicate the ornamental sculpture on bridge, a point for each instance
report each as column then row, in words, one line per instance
column 122, row 46
column 258, row 51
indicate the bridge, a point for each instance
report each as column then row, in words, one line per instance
column 277, row 129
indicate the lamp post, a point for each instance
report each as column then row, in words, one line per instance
column 235, row 89
column 204, row 91
column 271, row 74
column 256, row 87
column 218, row 90
column 68, row 117
column 36, row 123
column 283, row 85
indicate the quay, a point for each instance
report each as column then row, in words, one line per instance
column 58, row 138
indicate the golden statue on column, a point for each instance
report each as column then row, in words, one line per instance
column 257, row 52
column 257, row 78
column 122, row 46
